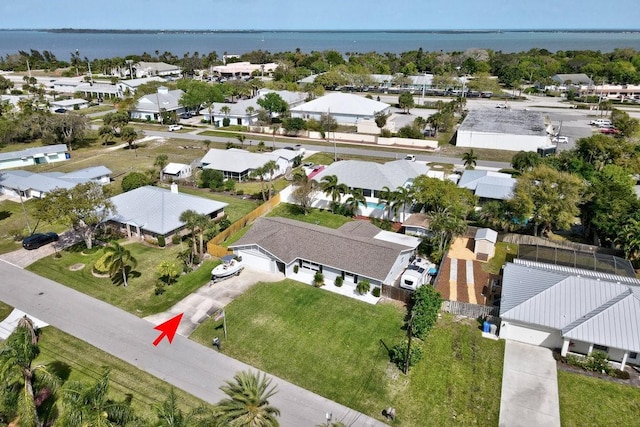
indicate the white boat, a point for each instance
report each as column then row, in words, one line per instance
column 230, row 266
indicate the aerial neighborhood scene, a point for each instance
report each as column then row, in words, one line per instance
column 319, row 215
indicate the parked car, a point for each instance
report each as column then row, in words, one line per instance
column 174, row 127
column 560, row 139
column 60, row 110
column 600, row 122
column 609, row 131
column 410, row 157
column 39, row 239
column 308, row 165
column 502, row 105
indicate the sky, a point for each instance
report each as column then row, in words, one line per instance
column 320, row 14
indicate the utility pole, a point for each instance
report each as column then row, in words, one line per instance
column 409, row 336
column 24, row 211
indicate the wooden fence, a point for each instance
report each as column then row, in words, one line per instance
column 214, row 246
column 465, row 309
column 396, row 293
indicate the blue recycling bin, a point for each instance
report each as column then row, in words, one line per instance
column 486, row 327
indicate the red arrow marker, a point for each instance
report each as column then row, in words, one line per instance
column 168, row 329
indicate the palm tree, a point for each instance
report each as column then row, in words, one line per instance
column 18, row 375
column 386, row 198
column 241, row 138
column 355, row 200
column 129, row 134
column 201, row 222
column 89, row 405
column 190, row 218
column 118, row 259
column 250, row 110
column 225, row 109
column 271, row 167
column 331, row 187
column 161, row 161
column 248, row 402
column 401, row 197
column 169, row 415
column 469, row 158
column 259, row 173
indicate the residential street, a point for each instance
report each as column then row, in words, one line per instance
column 192, row 367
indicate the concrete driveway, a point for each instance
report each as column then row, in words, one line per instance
column 198, row 306
column 23, row 257
column 529, row 387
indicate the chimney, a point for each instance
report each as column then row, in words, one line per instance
column 174, row 188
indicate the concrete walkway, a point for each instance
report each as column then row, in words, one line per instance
column 198, row 306
column 529, row 387
column 197, row 369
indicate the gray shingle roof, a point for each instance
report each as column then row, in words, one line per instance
column 375, row 176
column 516, row 122
column 350, row 249
column 158, row 210
column 583, row 308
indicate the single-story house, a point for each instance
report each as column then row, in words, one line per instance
column 572, row 309
column 417, row 224
column 371, row 178
column 34, row 156
column 239, row 69
column 149, row 69
column 66, row 85
column 238, row 164
column 345, row 108
column 485, row 243
column 150, row 107
column 100, row 90
column 245, row 111
column 153, row 211
column 69, row 104
column 176, row 171
column 488, row 185
column 574, row 79
column 356, row 251
column 130, row 86
column 35, row 185
column 505, row 129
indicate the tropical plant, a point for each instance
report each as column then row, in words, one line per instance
column 355, row 200
column 170, row 415
column 190, row 219
column 129, row 134
column 89, row 405
column 401, row 197
column 168, row 271
column 119, row 260
column 259, row 173
column 363, row 286
column 469, row 159
column 270, row 168
column 248, row 402
column 331, row 187
column 318, row 279
column 386, row 198
column 21, row 380
column 161, row 161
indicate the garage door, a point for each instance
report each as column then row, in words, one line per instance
column 257, row 260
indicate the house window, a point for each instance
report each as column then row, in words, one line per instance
column 597, row 347
column 633, row 355
column 308, row 265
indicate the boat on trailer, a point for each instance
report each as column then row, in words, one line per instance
column 230, row 266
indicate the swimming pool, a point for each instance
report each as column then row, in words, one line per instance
column 374, row 205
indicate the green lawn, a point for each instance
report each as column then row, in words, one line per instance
column 335, row 346
column 13, row 221
column 588, row 401
column 5, row 310
column 505, row 252
column 138, row 298
column 315, row 216
column 237, row 207
column 80, row 361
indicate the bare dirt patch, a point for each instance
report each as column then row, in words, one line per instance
column 77, row 267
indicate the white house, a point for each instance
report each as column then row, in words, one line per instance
column 149, row 69
column 176, row 171
column 69, row 104
column 101, row 90
column 130, row 86
column 572, row 309
column 239, row 69
column 488, row 185
column 345, row 108
column 245, row 111
column 150, row 107
column 35, row 185
column 154, row 211
column 238, row 164
column 504, row 129
column 356, row 251
column 34, row 156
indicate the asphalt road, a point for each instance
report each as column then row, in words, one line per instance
column 187, row 365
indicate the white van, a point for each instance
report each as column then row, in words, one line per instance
column 600, row 122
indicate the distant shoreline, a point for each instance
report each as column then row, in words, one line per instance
column 415, row 31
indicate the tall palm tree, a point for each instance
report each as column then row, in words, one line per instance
column 89, row 405
column 201, row 222
column 270, row 168
column 18, row 375
column 470, row 159
column 250, row 110
column 170, row 415
column 331, row 187
column 248, row 402
column 118, row 259
column 386, row 198
column 190, row 218
column 259, row 173
column 355, row 200
column 401, row 197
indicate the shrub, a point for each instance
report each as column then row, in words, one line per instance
column 224, row 224
column 101, row 266
column 161, row 241
column 376, row 292
column 226, row 121
column 229, row 185
column 318, row 279
column 598, row 361
column 363, row 287
column 175, row 239
column 134, row 180
column 240, row 192
column 426, row 306
column 295, row 269
column 386, row 133
column 574, row 360
column 338, row 281
column 160, row 288
column 398, row 353
column 623, row 375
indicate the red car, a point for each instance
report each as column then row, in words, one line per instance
column 610, row 131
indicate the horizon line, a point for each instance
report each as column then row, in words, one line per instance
column 617, row 30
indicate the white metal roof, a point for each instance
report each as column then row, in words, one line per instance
column 342, row 104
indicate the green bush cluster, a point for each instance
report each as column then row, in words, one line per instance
column 376, row 291
column 101, row 266
column 338, row 282
column 398, row 353
column 363, row 287
column 318, row 279
column 425, row 308
column 161, row 241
